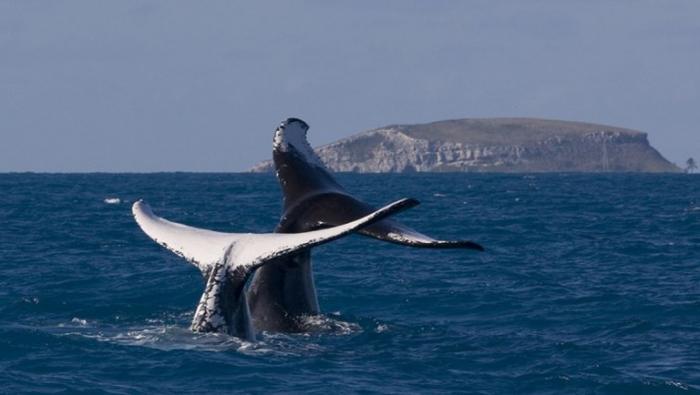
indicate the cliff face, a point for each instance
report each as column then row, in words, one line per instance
column 493, row 145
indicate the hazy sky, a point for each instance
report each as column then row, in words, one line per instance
column 200, row 86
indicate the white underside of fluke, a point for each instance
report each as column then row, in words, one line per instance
column 227, row 259
column 204, row 248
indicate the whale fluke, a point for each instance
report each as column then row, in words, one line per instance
column 226, row 260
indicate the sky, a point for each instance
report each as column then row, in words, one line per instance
column 143, row 86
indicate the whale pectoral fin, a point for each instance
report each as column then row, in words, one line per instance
column 299, row 170
column 203, row 248
column 313, row 198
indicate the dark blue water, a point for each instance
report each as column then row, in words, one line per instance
column 590, row 284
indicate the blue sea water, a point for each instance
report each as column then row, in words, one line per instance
column 590, row 284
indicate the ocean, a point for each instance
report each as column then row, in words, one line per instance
column 590, row 283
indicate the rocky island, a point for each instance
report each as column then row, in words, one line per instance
column 493, row 145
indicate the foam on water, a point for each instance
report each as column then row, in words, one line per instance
column 173, row 333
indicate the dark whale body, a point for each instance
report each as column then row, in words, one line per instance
column 282, row 292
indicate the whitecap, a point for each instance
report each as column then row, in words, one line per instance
column 112, row 200
column 32, row 300
column 325, row 324
column 677, row 384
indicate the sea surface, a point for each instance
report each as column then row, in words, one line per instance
column 589, row 284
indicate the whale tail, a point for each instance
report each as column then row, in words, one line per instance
column 227, row 260
column 314, row 199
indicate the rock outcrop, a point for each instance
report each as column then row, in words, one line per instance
column 493, row 145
